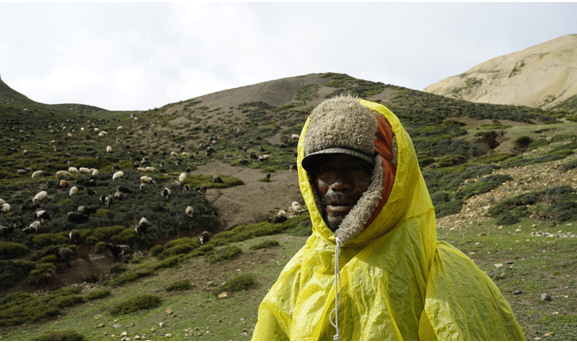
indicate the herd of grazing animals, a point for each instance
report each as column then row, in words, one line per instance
column 84, row 212
column 76, row 199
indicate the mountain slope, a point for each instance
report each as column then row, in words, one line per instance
column 542, row 76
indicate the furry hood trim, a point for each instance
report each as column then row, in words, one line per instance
column 344, row 125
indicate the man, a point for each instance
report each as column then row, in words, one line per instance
column 373, row 269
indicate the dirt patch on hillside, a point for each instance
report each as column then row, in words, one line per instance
column 254, row 201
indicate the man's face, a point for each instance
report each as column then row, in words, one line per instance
column 341, row 181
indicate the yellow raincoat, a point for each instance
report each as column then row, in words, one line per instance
column 398, row 282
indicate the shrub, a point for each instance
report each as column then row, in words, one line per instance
column 484, row 185
column 304, row 228
column 265, row 244
column 448, row 208
column 122, row 279
column 97, row 294
column 117, row 269
column 570, row 165
column 101, row 234
column 12, row 272
column 67, row 301
column 10, row 250
column 225, row 253
column 100, row 247
column 157, row 250
column 507, row 219
column 43, row 268
column 523, row 141
column 69, row 335
column 139, row 302
column 166, row 263
column 237, row 283
column 42, row 240
column 179, row 286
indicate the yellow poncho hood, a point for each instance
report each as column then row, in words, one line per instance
column 397, row 281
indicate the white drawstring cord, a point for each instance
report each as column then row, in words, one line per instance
column 337, row 337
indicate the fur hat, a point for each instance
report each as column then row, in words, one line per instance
column 340, row 125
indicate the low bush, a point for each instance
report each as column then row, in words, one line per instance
column 42, row 240
column 448, row 208
column 12, row 272
column 265, row 244
column 223, row 254
column 69, row 335
column 555, row 203
column 237, row 283
column 483, row 185
column 507, row 219
column 19, row 307
column 137, row 303
column 122, row 279
column 43, row 268
column 166, row 263
column 570, row 165
column 118, row 269
column 97, row 294
column 9, row 250
column 303, row 229
column 179, row 286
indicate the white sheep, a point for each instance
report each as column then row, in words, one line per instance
column 120, row 128
column 73, row 190
column 262, row 158
column 62, row 174
column 141, row 170
column 150, row 169
column 173, row 154
column 2, row 201
column 185, row 154
column 5, row 208
column 40, row 197
column 84, row 170
column 117, row 175
column 146, row 179
column 182, row 177
column 296, row 207
column 295, row 136
column 73, row 170
column 108, row 149
column 189, row 211
column 94, row 171
column 37, row 173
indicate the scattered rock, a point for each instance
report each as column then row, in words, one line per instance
column 545, row 297
column 152, row 330
column 124, row 333
column 517, row 292
column 498, row 265
column 168, row 335
column 168, row 311
column 223, row 295
column 549, row 334
column 117, row 326
column 101, row 325
column 136, row 337
column 161, row 324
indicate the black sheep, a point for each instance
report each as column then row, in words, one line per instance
column 74, row 237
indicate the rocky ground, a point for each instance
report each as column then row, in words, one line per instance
column 525, row 179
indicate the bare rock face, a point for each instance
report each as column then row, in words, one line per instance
column 539, row 76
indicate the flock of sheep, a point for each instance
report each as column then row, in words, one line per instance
column 63, row 179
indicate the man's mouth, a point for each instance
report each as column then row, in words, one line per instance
column 339, row 208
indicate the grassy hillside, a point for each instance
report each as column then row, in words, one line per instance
column 467, row 152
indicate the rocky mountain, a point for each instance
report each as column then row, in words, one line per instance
column 543, row 76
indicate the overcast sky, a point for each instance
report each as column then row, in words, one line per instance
column 137, row 56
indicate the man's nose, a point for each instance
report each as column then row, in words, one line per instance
column 341, row 182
